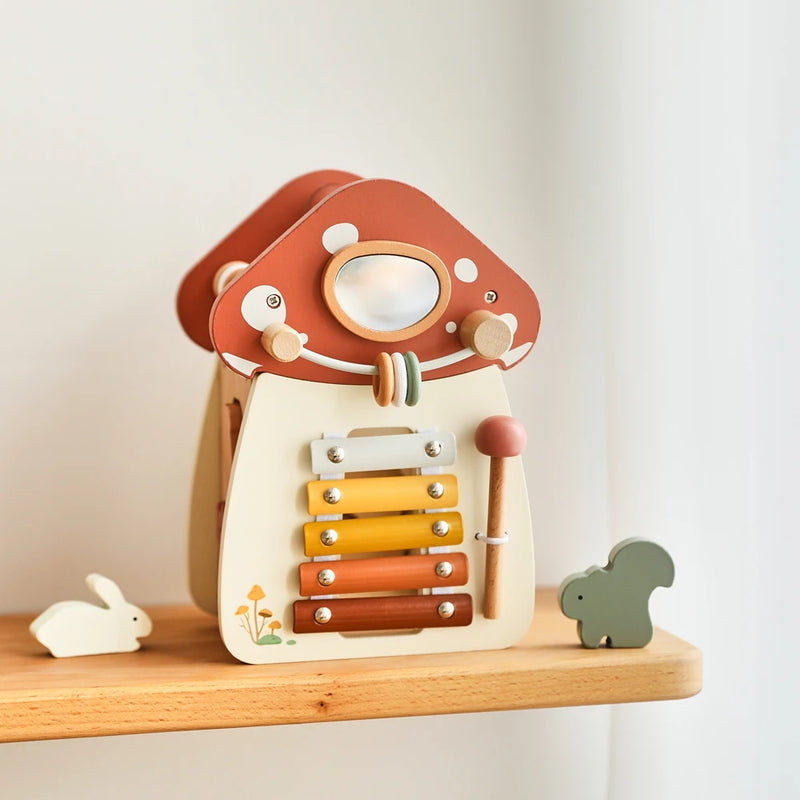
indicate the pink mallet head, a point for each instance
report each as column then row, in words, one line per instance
column 500, row 437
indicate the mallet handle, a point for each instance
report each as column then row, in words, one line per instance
column 494, row 562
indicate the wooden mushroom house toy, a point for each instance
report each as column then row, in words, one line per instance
column 359, row 471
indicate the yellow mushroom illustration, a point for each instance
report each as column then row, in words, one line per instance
column 256, row 625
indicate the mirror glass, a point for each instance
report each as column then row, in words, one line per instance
column 386, row 292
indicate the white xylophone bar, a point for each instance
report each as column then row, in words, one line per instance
column 394, row 451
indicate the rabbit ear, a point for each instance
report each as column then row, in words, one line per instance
column 105, row 589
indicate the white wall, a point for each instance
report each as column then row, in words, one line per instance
column 633, row 161
column 134, row 137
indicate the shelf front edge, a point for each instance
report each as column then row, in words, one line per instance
column 184, row 680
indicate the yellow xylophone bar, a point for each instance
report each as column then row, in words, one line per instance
column 375, row 534
column 396, row 493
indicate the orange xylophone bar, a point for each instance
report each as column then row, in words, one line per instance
column 391, row 573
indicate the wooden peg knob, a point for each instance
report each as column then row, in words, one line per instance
column 228, row 273
column 487, row 334
column 499, row 437
column 281, row 341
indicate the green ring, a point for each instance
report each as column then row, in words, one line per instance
column 414, row 378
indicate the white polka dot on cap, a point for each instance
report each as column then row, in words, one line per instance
column 466, row 270
column 338, row 236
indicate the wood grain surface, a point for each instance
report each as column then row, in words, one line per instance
column 184, row 679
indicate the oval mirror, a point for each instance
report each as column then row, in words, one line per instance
column 386, row 291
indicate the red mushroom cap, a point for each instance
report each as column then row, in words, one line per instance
column 290, row 273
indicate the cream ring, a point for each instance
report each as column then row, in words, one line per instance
column 400, row 379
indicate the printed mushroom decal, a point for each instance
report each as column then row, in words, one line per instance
column 256, row 594
column 273, row 637
column 254, row 627
column 375, row 266
column 244, row 622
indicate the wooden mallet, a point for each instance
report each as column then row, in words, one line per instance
column 499, row 437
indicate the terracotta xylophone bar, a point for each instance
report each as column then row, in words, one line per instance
column 382, row 613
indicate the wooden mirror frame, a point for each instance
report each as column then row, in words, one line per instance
column 384, row 248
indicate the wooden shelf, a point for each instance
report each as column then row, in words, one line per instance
column 183, row 679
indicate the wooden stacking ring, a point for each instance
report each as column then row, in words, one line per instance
column 383, row 381
column 414, row 377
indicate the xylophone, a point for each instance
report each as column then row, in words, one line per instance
column 358, row 486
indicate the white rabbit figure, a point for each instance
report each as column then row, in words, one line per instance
column 76, row 628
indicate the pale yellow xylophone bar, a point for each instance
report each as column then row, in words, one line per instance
column 376, row 534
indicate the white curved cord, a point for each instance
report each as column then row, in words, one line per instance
column 371, row 369
column 446, row 361
column 338, row 364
